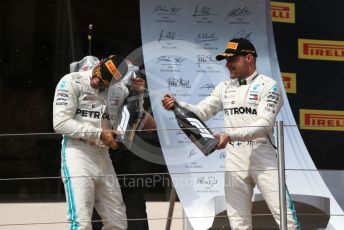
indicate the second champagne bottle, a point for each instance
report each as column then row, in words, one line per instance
column 195, row 129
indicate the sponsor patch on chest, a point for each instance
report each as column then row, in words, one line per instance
column 240, row 110
column 253, row 94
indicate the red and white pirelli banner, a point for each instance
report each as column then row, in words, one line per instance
column 329, row 120
column 180, row 41
column 321, row 49
column 289, row 81
column 283, row 12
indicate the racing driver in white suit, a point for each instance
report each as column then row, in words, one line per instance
column 250, row 102
column 81, row 113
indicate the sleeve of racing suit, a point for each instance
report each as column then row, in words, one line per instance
column 269, row 105
column 209, row 106
column 64, row 108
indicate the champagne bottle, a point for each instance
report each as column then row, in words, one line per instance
column 195, row 129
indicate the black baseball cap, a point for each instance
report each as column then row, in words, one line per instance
column 111, row 67
column 237, row 46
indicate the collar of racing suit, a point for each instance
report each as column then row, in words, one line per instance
column 248, row 80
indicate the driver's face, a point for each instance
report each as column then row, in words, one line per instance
column 238, row 66
column 97, row 81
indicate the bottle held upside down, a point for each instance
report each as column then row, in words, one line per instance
column 195, row 129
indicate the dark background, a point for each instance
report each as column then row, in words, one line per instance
column 40, row 38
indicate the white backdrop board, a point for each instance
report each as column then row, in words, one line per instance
column 180, row 41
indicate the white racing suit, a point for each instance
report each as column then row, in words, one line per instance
column 249, row 115
column 80, row 112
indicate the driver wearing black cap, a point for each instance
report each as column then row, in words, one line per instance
column 86, row 105
column 250, row 102
column 237, row 46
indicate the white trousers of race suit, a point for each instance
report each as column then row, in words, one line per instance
column 249, row 164
column 90, row 181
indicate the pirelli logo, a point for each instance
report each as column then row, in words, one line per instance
column 232, row 45
column 289, row 81
column 113, row 70
column 322, row 120
column 283, row 12
column 321, row 50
